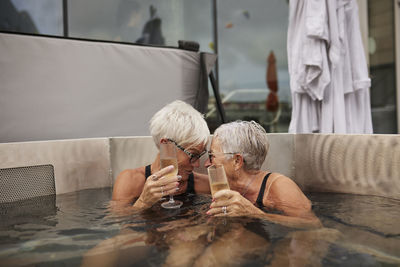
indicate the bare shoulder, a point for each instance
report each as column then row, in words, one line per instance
column 129, row 184
column 285, row 190
column 280, row 181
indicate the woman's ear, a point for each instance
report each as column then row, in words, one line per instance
column 163, row 141
column 238, row 161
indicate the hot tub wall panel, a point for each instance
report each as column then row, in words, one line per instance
column 280, row 157
column 356, row 164
column 78, row 164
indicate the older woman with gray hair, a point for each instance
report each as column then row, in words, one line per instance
column 241, row 147
column 184, row 126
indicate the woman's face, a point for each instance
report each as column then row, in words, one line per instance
column 185, row 163
column 217, row 156
column 214, row 156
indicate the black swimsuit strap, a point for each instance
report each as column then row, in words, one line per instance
column 190, row 186
column 260, row 197
column 147, row 172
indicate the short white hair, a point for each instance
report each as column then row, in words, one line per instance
column 180, row 122
column 246, row 138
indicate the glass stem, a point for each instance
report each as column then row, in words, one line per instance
column 171, row 199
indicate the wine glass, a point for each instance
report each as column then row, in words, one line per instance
column 168, row 157
column 218, row 181
column 217, row 178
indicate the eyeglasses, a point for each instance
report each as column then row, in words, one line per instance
column 192, row 157
column 212, row 155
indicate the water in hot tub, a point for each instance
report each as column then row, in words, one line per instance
column 82, row 229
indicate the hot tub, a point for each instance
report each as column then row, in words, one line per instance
column 55, row 207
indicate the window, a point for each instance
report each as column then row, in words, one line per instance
column 37, row 17
column 154, row 22
column 248, row 31
column 382, row 65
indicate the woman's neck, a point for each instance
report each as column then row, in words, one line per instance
column 247, row 183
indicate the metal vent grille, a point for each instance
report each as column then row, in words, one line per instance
column 26, row 182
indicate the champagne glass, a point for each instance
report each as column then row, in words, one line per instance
column 217, row 178
column 218, row 181
column 168, row 157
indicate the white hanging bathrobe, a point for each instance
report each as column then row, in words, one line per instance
column 328, row 72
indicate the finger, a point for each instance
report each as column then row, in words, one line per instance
column 220, row 203
column 221, row 214
column 213, row 211
column 165, row 189
column 217, row 211
column 164, row 193
column 172, row 187
column 160, row 192
column 157, row 175
column 172, row 191
column 167, row 181
column 226, row 193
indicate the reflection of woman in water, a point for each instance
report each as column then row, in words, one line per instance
column 175, row 232
column 194, row 241
column 187, row 237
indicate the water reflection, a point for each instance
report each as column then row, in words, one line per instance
column 152, row 33
column 188, row 237
column 34, row 211
column 79, row 229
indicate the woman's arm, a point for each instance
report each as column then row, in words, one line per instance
column 128, row 186
column 132, row 184
column 237, row 205
column 284, row 195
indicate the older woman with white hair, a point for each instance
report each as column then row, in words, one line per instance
column 241, row 147
column 181, row 124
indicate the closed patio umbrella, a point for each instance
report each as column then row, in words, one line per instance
column 272, row 102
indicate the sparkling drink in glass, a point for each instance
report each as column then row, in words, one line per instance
column 217, row 178
column 168, row 157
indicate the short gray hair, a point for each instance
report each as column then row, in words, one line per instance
column 246, row 138
column 180, row 122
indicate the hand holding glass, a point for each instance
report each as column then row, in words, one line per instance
column 168, row 157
